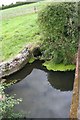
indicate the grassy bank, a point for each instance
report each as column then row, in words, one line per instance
column 17, row 32
column 19, row 27
column 22, row 10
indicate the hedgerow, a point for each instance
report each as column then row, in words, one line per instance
column 14, row 5
column 58, row 23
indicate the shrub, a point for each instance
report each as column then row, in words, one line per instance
column 79, row 14
column 58, row 25
column 7, row 104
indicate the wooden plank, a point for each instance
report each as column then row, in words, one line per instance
column 75, row 108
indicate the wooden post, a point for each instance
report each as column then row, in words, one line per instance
column 75, row 107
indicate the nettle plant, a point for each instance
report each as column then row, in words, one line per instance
column 7, row 104
column 58, row 24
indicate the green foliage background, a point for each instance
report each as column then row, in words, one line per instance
column 7, row 104
column 79, row 14
column 58, row 23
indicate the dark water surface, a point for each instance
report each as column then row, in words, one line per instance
column 46, row 94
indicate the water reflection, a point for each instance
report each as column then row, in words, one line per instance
column 45, row 94
column 59, row 80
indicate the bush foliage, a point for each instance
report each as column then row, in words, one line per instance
column 58, row 23
column 7, row 105
column 79, row 14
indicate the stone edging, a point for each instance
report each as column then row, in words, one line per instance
column 75, row 107
column 9, row 67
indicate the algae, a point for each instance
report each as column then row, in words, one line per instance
column 58, row 67
column 32, row 59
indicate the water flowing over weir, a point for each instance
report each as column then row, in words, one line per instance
column 46, row 94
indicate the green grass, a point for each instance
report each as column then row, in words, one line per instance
column 19, row 29
column 32, row 60
column 19, row 26
column 17, row 32
column 58, row 67
column 21, row 10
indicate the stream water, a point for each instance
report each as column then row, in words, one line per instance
column 45, row 94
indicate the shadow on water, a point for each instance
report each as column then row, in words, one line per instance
column 59, row 80
column 45, row 93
